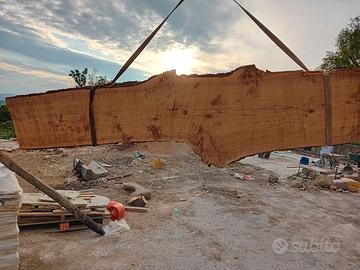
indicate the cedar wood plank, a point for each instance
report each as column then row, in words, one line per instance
column 222, row 117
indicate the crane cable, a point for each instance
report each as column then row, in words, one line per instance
column 92, row 92
column 274, row 38
column 142, row 47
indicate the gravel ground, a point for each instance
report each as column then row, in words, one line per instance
column 199, row 217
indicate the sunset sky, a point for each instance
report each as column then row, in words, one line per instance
column 41, row 41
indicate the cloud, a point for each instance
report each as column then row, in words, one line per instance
column 6, row 67
column 215, row 36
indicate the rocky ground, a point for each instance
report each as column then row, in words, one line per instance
column 199, row 217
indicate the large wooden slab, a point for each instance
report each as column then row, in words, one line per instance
column 223, row 117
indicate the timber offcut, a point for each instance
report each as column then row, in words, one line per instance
column 223, row 117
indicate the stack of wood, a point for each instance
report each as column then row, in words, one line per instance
column 40, row 212
column 10, row 202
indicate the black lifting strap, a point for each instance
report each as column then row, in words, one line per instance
column 121, row 71
column 274, row 38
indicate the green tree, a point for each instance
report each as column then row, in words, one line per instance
column 7, row 130
column 347, row 54
column 95, row 80
column 79, row 77
column 4, row 114
column 84, row 78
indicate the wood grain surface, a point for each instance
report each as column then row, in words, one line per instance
column 223, row 117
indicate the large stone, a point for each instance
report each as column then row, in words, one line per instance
column 77, row 165
column 93, row 171
column 309, row 173
column 324, row 181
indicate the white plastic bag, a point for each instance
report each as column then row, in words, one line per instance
column 116, row 227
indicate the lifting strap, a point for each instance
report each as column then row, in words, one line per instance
column 121, row 71
column 142, row 47
column 328, row 109
column 274, row 38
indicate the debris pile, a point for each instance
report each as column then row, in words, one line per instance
column 10, row 202
column 308, row 177
column 9, row 145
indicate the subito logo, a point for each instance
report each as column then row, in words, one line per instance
column 280, row 246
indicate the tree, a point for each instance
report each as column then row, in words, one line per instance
column 4, row 114
column 7, row 130
column 95, row 80
column 84, row 78
column 347, row 54
column 79, row 77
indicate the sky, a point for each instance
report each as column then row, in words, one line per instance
column 41, row 41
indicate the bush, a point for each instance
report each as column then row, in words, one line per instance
column 7, row 130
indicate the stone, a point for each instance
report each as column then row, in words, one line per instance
column 139, row 155
column 309, row 173
column 77, row 165
column 93, row 171
column 324, row 181
column 273, row 179
column 297, row 183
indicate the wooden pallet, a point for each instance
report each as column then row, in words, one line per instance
column 73, row 225
column 41, row 212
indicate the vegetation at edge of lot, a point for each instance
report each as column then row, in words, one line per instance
column 347, row 54
column 7, row 130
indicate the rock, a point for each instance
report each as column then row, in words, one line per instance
column 139, row 155
column 273, row 179
column 77, row 165
column 105, row 165
column 297, row 183
column 347, row 184
column 93, row 171
column 238, row 176
column 324, row 181
column 9, row 145
column 137, row 190
column 243, row 176
column 309, row 173
column 347, row 169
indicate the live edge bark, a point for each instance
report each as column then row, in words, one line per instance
column 223, row 117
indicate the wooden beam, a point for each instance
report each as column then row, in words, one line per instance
column 222, row 117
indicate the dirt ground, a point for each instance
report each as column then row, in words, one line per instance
column 199, row 217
